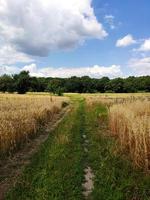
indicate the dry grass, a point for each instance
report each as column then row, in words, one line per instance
column 110, row 99
column 130, row 122
column 21, row 116
column 91, row 100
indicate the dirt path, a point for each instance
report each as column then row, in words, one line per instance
column 88, row 183
column 11, row 168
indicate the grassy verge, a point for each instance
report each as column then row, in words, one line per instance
column 115, row 179
column 56, row 171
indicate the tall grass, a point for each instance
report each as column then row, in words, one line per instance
column 110, row 100
column 22, row 116
column 130, row 122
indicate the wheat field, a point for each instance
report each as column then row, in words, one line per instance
column 129, row 122
column 21, row 116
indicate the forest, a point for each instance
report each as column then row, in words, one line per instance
column 23, row 82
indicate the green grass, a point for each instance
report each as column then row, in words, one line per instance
column 115, row 178
column 56, row 171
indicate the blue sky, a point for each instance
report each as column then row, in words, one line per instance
column 121, row 47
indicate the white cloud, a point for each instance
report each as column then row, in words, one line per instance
column 145, row 46
column 8, row 56
column 110, row 20
column 125, row 41
column 94, row 71
column 36, row 27
column 8, row 70
column 64, row 72
column 140, row 66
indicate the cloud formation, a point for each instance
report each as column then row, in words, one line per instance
column 45, row 25
column 125, row 41
column 64, row 72
column 9, row 70
column 9, row 56
column 140, row 66
column 145, row 45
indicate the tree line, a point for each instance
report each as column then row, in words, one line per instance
column 23, row 83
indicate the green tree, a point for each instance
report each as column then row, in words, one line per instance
column 116, row 85
column 143, row 83
column 130, row 84
column 101, row 84
column 73, row 84
column 56, row 86
column 7, row 83
column 147, row 84
column 87, row 84
column 22, row 82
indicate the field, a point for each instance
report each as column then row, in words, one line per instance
column 99, row 150
column 129, row 121
column 22, row 116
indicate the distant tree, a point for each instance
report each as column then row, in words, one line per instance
column 147, row 83
column 101, row 84
column 73, row 84
column 143, row 83
column 116, row 85
column 59, row 91
column 87, row 84
column 130, row 84
column 43, row 83
column 7, row 83
column 34, row 84
column 56, row 86
column 22, row 82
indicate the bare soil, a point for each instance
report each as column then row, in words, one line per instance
column 88, row 183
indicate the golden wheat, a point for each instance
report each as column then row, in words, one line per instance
column 130, row 122
column 22, row 115
column 109, row 99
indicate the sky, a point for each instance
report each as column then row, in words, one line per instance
column 68, row 38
